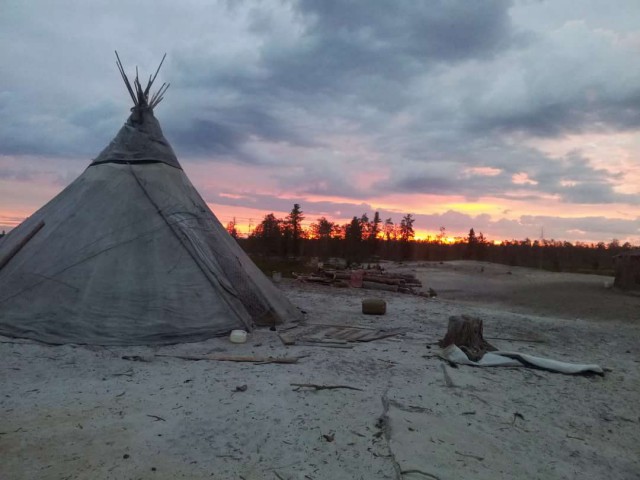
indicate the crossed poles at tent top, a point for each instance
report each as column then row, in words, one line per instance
column 141, row 97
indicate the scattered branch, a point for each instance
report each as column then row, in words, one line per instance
column 135, row 358
column 322, row 387
column 247, row 359
column 524, row 340
column 470, row 456
column 323, row 344
column 419, row 472
column 515, row 416
column 157, row 418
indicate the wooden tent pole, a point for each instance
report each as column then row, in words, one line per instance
column 12, row 253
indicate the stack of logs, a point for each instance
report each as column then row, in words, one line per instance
column 373, row 280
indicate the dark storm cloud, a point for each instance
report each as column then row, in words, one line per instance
column 429, row 184
column 342, row 45
column 576, row 181
column 225, row 131
column 208, row 136
column 595, row 193
column 348, row 57
column 572, row 178
column 570, row 115
column 81, row 132
column 440, row 30
column 355, row 60
column 419, row 93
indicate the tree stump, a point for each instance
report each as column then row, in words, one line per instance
column 466, row 333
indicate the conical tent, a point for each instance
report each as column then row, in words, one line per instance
column 129, row 254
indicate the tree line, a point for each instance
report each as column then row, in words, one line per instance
column 369, row 239
column 357, row 240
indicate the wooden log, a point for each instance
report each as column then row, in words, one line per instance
column 312, row 278
column 345, row 275
column 380, row 286
column 407, row 281
column 466, row 333
column 341, row 275
column 406, row 276
column 381, row 279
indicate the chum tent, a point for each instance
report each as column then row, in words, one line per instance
column 129, row 254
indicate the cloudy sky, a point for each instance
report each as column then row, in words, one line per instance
column 516, row 118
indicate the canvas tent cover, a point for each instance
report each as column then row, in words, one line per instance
column 129, row 253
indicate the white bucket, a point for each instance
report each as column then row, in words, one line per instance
column 238, row 336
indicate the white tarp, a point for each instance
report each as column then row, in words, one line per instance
column 515, row 359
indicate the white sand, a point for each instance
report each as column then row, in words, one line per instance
column 76, row 412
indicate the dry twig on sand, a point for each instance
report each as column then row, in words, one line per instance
column 476, row 457
column 224, row 358
column 321, row 387
column 419, row 472
column 525, row 340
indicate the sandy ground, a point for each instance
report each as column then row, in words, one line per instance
column 526, row 290
column 78, row 412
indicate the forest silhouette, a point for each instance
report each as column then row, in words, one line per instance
column 366, row 239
